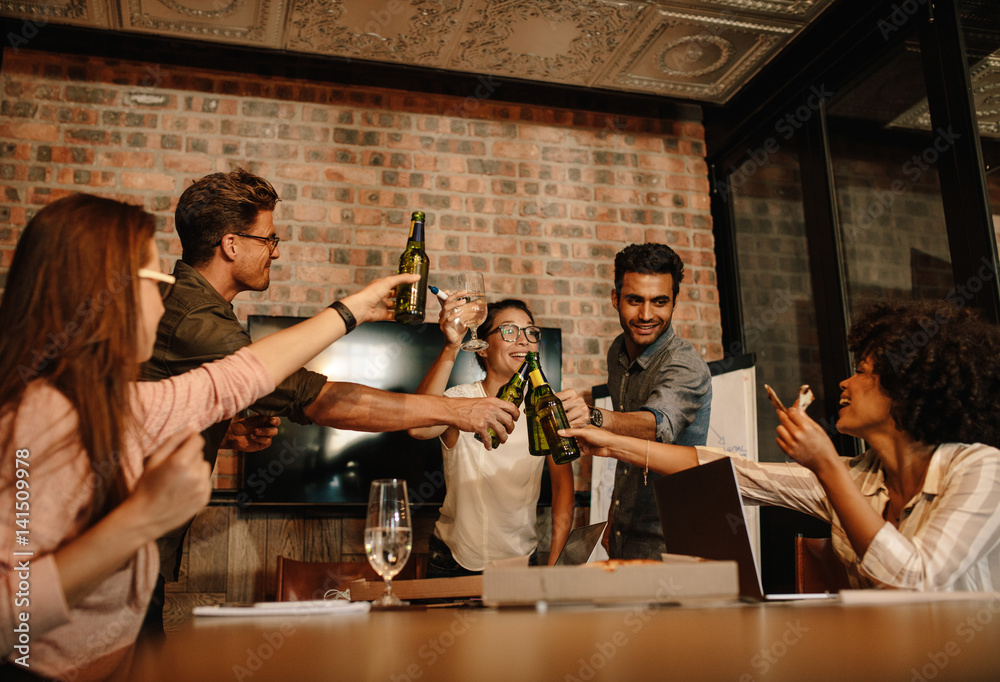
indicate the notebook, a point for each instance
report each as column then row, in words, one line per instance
column 581, row 545
column 701, row 513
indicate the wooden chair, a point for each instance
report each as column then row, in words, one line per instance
column 817, row 568
column 306, row 580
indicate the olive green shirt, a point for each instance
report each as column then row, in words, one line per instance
column 199, row 326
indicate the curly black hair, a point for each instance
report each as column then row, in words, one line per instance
column 939, row 365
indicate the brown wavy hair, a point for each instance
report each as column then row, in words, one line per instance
column 69, row 318
column 939, row 365
column 217, row 205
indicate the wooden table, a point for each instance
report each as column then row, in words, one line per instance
column 783, row 641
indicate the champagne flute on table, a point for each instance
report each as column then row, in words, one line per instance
column 388, row 533
column 473, row 311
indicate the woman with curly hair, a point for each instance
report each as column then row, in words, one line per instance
column 920, row 509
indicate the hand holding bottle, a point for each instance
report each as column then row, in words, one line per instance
column 411, row 297
column 577, row 411
column 368, row 305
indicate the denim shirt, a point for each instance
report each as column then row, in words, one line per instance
column 672, row 381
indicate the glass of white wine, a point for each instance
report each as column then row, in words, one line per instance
column 388, row 533
column 473, row 311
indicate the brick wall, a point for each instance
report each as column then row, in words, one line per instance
column 538, row 199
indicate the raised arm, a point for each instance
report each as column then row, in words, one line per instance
column 362, row 408
column 563, row 501
column 663, row 458
column 286, row 351
column 806, row 442
column 436, row 380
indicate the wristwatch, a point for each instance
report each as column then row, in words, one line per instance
column 596, row 417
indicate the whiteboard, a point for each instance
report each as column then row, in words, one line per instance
column 732, row 427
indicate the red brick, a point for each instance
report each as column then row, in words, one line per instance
column 354, row 176
column 296, row 172
column 198, row 165
column 157, row 181
column 359, row 216
column 514, row 150
column 386, row 237
column 545, row 134
column 663, row 162
column 413, row 143
column 616, row 196
column 39, row 132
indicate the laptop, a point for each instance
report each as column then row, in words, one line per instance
column 701, row 513
column 581, row 545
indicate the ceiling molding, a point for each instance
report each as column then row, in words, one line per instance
column 700, row 50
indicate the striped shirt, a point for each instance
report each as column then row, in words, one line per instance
column 949, row 533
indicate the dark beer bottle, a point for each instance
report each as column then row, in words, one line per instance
column 546, row 416
column 512, row 392
column 411, row 298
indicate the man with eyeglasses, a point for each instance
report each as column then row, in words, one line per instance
column 225, row 222
column 661, row 390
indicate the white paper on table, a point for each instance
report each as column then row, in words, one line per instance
column 878, row 597
column 287, row 608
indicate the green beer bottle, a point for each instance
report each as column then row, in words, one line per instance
column 512, row 392
column 411, row 298
column 546, row 416
column 537, row 445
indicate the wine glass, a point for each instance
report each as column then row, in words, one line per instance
column 474, row 309
column 388, row 533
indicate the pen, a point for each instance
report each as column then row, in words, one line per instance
column 437, row 292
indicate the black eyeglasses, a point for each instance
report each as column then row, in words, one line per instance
column 272, row 241
column 510, row 332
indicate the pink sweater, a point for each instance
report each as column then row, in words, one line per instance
column 92, row 639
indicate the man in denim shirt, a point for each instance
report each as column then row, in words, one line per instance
column 660, row 387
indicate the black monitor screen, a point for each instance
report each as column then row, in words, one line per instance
column 322, row 465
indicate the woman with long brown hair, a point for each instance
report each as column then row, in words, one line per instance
column 93, row 465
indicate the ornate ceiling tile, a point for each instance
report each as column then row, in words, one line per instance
column 796, row 10
column 703, row 56
column 247, row 22
column 548, row 40
column 39, row 12
column 415, row 32
column 985, row 77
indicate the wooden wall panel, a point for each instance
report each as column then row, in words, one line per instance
column 207, row 551
column 246, row 552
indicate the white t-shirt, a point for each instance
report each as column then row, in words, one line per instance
column 490, row 506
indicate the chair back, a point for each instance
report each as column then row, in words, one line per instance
column 308, row 580
column 817, row 568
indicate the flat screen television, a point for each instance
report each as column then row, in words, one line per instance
column 318, row 465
